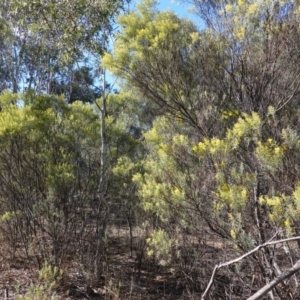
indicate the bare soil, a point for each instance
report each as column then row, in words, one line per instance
column 124, row 277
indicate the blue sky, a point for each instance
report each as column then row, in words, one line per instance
column 181, row 9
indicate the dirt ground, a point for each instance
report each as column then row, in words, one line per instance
column 124, row 278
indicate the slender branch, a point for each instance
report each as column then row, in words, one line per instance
column 260, row 293
column 102, row 133
column 293, row 94
column 268, row 243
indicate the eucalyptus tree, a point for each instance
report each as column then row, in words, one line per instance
column 45, row 43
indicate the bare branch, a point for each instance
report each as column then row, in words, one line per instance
column 272, row 284
column 259, row 294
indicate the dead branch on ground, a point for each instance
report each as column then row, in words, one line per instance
column 271, row 284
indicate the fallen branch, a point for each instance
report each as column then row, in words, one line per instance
column 270, row 285
column 260, row 293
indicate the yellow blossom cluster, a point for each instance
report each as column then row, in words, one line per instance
column 247, row 16
column 159, row 244
column 269, row 153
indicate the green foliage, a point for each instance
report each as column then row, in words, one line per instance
column 8, row 216
column 222, row 153
column 151, row 41
column 270, row 154
column 49, row 166
column 57, row 50
column 74, row 24
column 247, row 127
column 158, row 193
column 144, row 34
column 49, row 277
column 160, row 246
column 202, row 144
